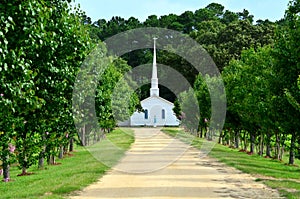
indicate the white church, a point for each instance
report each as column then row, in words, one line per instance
column 157, row 111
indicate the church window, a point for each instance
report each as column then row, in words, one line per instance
column 146, row 114
column 163, row 114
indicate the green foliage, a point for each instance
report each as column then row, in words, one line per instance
column 42, row 46
column 260, row 63
column 189, row 110
column 273, row 173
column 248, row 86
column 73, row 174
column 287, row 67
column 263, row 93
column 224, row 34
column 115, row 99
column 204, row 100
column 177, row 109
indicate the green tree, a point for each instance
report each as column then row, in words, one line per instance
column 113, row 91
column 204, row 103
column 17, row 75
column 152, row 21
column 187, row 20
column 248, row 86
column 189, row 110
column 229, row 17
column 292, row 99
column 287, row 67
column 38, row 83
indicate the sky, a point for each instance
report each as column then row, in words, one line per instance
column 141, row 9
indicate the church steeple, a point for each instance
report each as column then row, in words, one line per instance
column 154, row 91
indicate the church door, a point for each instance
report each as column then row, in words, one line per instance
column 157, row 116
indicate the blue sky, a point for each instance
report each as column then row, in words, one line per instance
column 141, row 9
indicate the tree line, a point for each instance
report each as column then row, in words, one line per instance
column 223, row 34
column 259, row 63
column 43, row 44
column 263, row 94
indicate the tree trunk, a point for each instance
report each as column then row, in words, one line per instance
column 24, row 170
column 281, row 152
column 83, row 136
column 95, row 137
column 61, row 152
column 51, row 160
column 5, row 165
column 71, row 146
column 268, row 145
column 201, row 133
column 237, row 140
column 252, row 146
column 42, row 157
column 87, row 140
column 220, row 138
column 99, row 136
column 245, row 141
column 41, row 161
column 231, row 138
column 292, row 149
column 210, row 135
column 66, row 147
column 268, row 150
column 277, row 146
column 6, row 173
column 261, row 144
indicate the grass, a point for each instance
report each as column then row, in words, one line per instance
column 74, row 173
column 110, row 150
column 273, row 173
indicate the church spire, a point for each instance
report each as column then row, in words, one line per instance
column 154, row 91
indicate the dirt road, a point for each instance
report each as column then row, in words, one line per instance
column 160, row 167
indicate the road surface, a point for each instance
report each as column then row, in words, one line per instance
column 160, row 167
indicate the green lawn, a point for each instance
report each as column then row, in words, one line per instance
column 74, row 173
column 77, row 171
column 273, row 173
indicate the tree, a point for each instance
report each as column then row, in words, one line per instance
column 204, row 103
column 248, row 85
column 111, row 93
column 189, row 110
column 216, row 8
column 17, row 74
column 38, row 95
column 151, row 21
column 287, row 67
column 229, row 17
column 245, row 16
column 187, row 20
column 292, row 100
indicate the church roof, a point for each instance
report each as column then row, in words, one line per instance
column 159, row 98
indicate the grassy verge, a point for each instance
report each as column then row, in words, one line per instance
column 74, row 173
column 273, row 173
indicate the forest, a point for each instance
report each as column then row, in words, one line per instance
column 44, row 43
column 259, row 64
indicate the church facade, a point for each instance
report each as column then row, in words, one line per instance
column 157, row 110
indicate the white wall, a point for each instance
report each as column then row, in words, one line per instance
column 154, row 105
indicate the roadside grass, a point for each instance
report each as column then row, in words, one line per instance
column 109, row 151
column 74, row 173
column 275, row 174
